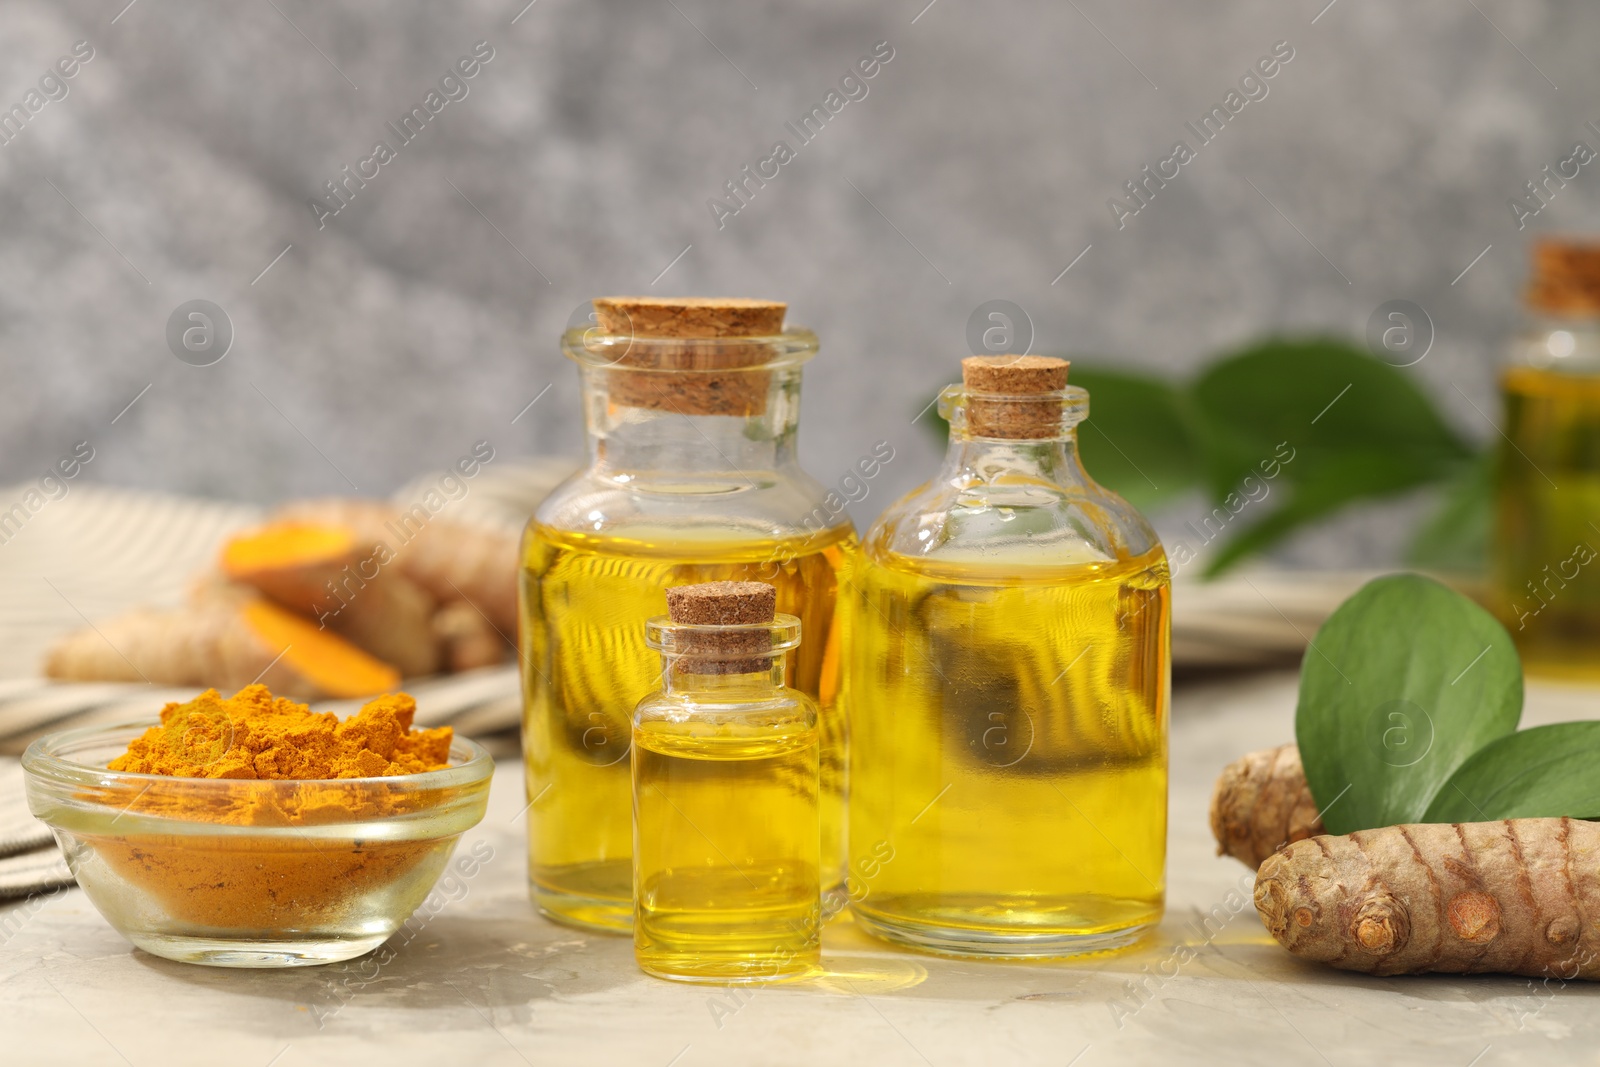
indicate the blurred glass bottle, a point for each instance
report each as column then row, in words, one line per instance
column 1008, row 665
column 1547, row 528
column 692, row 408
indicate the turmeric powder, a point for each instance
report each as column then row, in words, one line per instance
column 275, row 883
column 254, row 735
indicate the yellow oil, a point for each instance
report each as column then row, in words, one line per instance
column 1547, row 572
column 728, row 884
column 585, row 666
column 1009, row 753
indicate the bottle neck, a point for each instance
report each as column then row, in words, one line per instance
column 683, row 676
column 1013, row 440
column 643, row 435
column 1568, row 343
column 972, row 461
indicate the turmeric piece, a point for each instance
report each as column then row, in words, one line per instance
column 1261, row 803
column 345, row 584
column 451, row 560
column 333, row 598
column 228, row 643
column 1511, row 897
column 274, row 882
column 470, row 640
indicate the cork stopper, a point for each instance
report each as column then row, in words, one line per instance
column 747, row 609
column 1566, row 276
column 697, row 389
column 1013, row 377
column 689, row 316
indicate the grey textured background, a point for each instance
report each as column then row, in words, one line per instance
column 183, row 159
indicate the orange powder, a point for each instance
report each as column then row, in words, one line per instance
column 294, row 882
column 254, row 735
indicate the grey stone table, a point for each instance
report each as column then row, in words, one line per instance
column 486, row 981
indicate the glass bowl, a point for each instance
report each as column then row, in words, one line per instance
column 250, row 873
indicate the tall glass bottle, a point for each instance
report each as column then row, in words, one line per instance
column 1008, row 664
column 692, row 410
column 1547, row 529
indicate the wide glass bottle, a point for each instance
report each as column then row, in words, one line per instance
column 1009, row 669
column 692, row 409
column 727, row 839
column 1547, row 471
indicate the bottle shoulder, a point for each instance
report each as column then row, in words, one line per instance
column 1556, row 346
column 768, row 505
column 725, row 724
column 1017, row 524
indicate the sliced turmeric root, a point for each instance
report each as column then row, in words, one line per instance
column 1512, row 897
column 224, row 645
column 1261, row 803
column 284, row 544
column 470, row 640
column 451, row 560
column 328, row 662
column 347, row 584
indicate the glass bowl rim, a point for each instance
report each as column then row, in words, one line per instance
column 41, row 760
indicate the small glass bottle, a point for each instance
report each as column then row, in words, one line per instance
column 692, row 409
column 1547, row 473
column 727, row 837
column 1009, row 671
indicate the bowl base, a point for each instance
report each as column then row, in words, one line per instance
column 216, row 952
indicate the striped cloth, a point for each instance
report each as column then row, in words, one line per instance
column 1255, row 617
column 24, row 867
column 98, row 552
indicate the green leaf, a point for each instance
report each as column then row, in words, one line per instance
column 1325, row 398
column 1137, row 441
column 1456, row 536
column 933, row 422
column 1544, row 772
column 1356, row 427
column 1403, row 683
column 1334, row 483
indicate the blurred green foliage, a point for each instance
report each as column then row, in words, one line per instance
column 1359, row 430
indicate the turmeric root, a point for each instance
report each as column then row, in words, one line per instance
column 469, row 641
column 225, row 644
column 1261, row 803
column 451, row 560
column 325, row 573
column 1509, row 897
